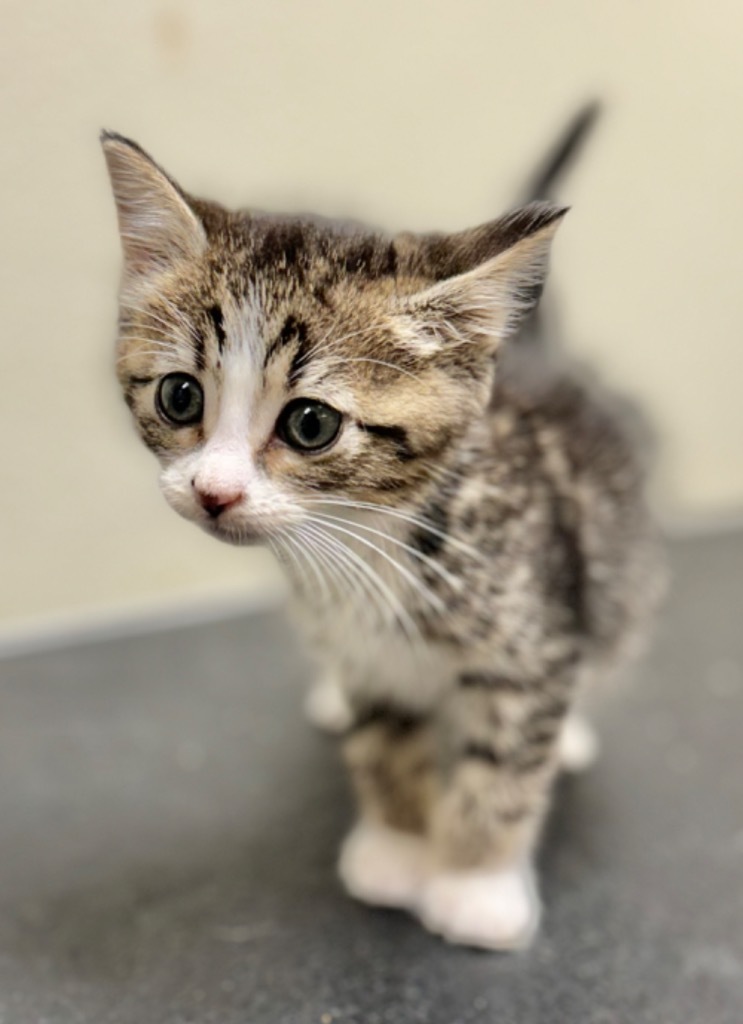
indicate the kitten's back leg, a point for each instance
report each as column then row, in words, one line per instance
column 326, row 704
column 578, row 746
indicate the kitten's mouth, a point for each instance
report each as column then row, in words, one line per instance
column 231, row 534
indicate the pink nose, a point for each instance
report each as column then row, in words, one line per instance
column 215, row 501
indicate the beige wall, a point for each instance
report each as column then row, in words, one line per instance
column 407, row 112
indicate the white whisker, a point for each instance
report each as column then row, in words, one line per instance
column 322, row 584
column 353, row 586
column 414, row 552
column 414, row 520
column 411, row 578
column 335, row 549
column 399, row 611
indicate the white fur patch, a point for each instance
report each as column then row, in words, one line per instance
column 381, row 866
column 578, row 745
column 327, row 706
column 487, row 909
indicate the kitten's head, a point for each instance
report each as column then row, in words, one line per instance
column 270, row 362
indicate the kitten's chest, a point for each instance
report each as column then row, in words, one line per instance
column 374, row 606
column 391, row 666
column 382, row 660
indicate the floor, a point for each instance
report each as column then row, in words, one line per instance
column 169, row 823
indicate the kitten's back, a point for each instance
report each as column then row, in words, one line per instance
column 593, row 447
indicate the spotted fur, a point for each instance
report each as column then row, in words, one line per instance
column 474, row 543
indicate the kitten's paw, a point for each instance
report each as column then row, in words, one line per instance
column 327, row 706
column 579, row 744
column 496, row 910
column 382, row 866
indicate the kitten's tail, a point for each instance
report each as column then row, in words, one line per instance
column 542, row 330
column 545, row 180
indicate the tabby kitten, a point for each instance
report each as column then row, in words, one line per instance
column 466, row 541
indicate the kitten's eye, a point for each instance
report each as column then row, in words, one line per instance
column 308, row 425
column 180, row 399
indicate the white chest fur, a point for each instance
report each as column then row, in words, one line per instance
column 379, row 662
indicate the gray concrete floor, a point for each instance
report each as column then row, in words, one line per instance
column 168, row 829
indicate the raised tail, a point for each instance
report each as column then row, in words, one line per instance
column 541, row 328
column 545, row 181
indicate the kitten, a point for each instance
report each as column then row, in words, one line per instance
column 467, row 542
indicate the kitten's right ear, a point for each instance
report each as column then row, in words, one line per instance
column 156, row 223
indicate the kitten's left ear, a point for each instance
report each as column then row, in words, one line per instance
column 156, row 223
column 485, row 304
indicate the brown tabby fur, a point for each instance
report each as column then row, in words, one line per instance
column 508, row 489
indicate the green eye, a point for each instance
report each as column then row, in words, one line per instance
column 180, row 399
column 308, row 425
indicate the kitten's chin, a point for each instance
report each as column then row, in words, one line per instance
column 237, row 535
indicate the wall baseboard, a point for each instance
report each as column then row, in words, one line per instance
column 688, row 526
column 87, row 625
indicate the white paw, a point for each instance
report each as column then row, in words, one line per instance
column 488, row 909
column 579, row 745
column 327, row 706
column 381, row 866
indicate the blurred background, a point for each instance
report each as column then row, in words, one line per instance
column 405, row 113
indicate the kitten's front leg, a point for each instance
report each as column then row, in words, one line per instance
column 503, row 738
column 392, row 760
